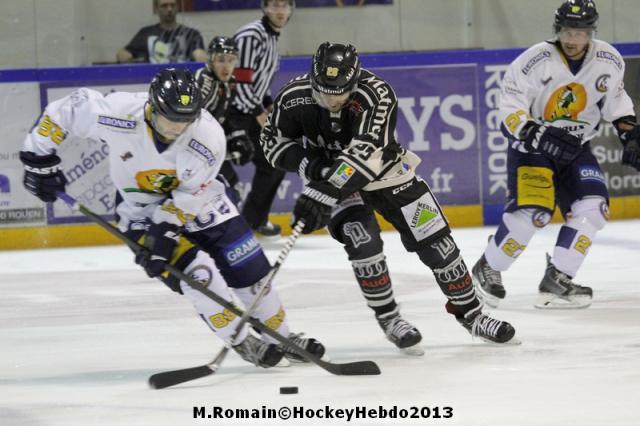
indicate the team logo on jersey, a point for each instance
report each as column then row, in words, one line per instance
column 203, row 151
column 155, row 181
column 117, row 122
column 342, row 174
column 602, row 83
column 566, row 103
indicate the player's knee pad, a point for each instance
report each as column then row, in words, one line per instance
column 269, row 310
column 595, row 210
column 450, row 270
column 357, row 229
column 516, row 230
column 203, row 270
column 439, row 253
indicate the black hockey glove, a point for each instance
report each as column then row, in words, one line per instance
column 160, row 240
column 553, row 142
column 240, row 148
column 314, row 168
column 631, row 141
column 314, row 206
column 43, row 175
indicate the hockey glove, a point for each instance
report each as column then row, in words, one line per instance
column 240, row 148
column 314, row 206
column 631, row 141
column 43, row 175
column 553, row 142
column 160, row 241
column 314, row 168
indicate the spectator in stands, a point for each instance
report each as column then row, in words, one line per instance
column 166, row 41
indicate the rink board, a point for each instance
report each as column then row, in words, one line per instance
column 446, row 114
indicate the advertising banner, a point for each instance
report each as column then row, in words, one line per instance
column 447, row 114
column 205, row 5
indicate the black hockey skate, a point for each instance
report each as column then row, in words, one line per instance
column 557, row 291
column 488, row 283
column 487, row 328
column 268, row 230
column 308, row 344
column 401, row 333
column 259, row 353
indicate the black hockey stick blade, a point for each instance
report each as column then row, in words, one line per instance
column 175, row 377
column 358, row 368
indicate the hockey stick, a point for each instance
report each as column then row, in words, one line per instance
column 174, row 377
column 356, row 368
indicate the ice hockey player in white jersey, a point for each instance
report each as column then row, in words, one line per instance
column 552, row 100
column 165, row 153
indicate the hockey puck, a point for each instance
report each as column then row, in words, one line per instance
column 287, row 390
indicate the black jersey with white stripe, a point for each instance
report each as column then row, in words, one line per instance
column 216, row 95
column 258, row 61
column 361, row 134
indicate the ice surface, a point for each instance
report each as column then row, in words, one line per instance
column 81, row 330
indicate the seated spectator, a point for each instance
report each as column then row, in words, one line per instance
column 165, row 42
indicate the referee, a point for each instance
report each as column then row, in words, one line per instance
column 258, row 61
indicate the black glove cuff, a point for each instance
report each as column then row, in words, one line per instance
column 40, row 164
column 320, row 196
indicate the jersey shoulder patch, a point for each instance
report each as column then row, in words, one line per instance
column 608, row 54
column 535, row 56
column 203, row 151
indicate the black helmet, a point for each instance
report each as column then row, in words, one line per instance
column 576, row 14
column 222, row 44
column 175, row 95
column 335, row 68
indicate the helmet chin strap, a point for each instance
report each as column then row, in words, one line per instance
column 157, row 136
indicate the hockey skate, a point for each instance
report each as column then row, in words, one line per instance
column 489, row 329
column 308, row 344
column 259, row 353
column 557, row 291
column 488, row 283
column 268, row 230
column 401, row 333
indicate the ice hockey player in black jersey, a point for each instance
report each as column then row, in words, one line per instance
column 218, row 87
column 335, row 127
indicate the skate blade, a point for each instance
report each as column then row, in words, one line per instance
column 552, row 301
column 415, row 350
column 284, row 363
column 514, row 341
column 486, row 298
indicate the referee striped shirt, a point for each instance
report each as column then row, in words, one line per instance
column 258, row 61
